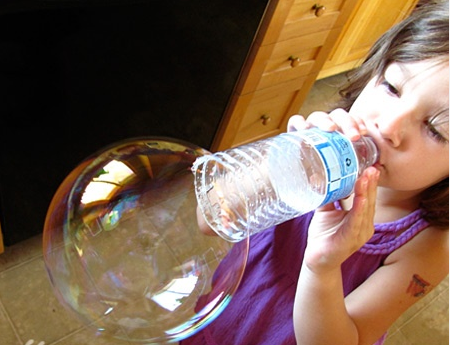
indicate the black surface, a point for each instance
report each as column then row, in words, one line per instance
column 76, row 76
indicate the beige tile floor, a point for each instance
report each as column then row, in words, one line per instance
column 31, row 315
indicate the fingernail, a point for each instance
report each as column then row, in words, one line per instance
column 374, row 173
column 362, row 129
column 354, row 134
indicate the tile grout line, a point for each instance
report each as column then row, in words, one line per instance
column 57, row 341
column 22, row 263
column 11, row 324
column 413, row 317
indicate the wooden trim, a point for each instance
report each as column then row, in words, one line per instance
column 2, row 247
column 249, row 82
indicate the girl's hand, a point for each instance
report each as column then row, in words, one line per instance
column 337, row 120
column 202, row 225
column 335, row 234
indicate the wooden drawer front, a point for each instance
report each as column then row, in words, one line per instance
column 302, row 19
column 281, row 67
column 271, row 103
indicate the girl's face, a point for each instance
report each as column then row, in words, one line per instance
column 406, row 112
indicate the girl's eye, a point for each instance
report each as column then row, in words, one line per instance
column 389, row 88
column 435, row 133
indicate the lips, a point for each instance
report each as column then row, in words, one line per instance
column 378, row 166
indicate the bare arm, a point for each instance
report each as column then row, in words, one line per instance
column 320, row 313
column 408, row 275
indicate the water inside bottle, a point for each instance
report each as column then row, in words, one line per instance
column 250, row 188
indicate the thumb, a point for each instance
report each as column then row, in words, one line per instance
column 328, row 207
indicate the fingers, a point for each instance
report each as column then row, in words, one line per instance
column 202, row 225
column 352, row 127
column 374, row 176
column 364, row 201
column 297, row 123
column 323, row 121
column 366, row 185
column 337, row 120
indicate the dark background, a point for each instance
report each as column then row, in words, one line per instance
column 76, row 76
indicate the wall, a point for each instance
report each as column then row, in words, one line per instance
column 76, row 76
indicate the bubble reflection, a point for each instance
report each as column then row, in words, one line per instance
column 123, row 250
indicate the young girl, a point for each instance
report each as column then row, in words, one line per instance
column 344, row 273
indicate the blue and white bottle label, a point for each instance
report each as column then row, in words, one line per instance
column 339, row 159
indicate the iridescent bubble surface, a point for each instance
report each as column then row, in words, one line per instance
column 123, row 249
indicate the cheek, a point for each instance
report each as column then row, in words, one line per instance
column 413, row 172
column 365, row 105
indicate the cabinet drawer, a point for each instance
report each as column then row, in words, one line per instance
column 266, row 111
column 305, row 18
column 292, row 59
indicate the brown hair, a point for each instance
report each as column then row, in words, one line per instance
column 424, row 35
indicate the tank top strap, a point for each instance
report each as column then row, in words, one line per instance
column 392, row 235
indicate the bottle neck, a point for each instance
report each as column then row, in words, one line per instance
column 366, row 152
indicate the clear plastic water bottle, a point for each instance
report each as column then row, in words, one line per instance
column 247, row 189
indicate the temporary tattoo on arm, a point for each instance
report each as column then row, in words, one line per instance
column 418, row 287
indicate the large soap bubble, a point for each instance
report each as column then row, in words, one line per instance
column 123, row 249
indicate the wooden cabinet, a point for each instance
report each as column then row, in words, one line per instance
column 290, row 48
column 2, row 247
column 368, row 21
column 300, row 41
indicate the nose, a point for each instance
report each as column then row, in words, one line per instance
column 393, row 126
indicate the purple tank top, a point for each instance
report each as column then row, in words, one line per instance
column 260, row 312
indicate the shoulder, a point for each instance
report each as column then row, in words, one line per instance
column 407, row 275
column 428, row 252
column 430, row 243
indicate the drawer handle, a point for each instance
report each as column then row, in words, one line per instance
column 295, row 61
column 319, row 10
column 265, row 119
